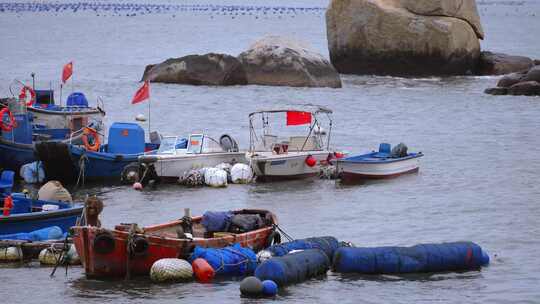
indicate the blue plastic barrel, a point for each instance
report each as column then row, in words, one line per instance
column 420, row 258
column 294, row 267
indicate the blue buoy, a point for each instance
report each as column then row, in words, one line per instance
column 270, row 288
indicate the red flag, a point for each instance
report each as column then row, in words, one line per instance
column 142, row 93
column 298, row 118
column 67, row 71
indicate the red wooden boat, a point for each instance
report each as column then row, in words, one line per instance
column 110, row 253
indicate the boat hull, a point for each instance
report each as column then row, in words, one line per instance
column 286, row 166
column 97, row 165
column 350, row 171
column 115, row 263
column 14, row 155
column 73, row 119
column 170, row 167
column 26, row 222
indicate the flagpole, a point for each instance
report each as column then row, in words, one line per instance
column 149, row 101
column 61, row 86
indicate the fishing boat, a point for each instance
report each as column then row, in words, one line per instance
column 26, row 214
column 74, row 116
column 178, row 155
column 112, row 253
column 385, row 163
column 293, row 157
column 69, row 163
column 19, row 137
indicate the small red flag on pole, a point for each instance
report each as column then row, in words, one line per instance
column 67, row 71
column 142, row 93
column 295, row 118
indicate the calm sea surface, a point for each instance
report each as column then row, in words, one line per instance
column 478, row 180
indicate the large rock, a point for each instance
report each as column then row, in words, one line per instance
column 510, row 79
column 208, row 69
column 280, row 61
column 463, row 9
column 498, row 64
column 496, row 91
column 529, row 88
column 388, row 37
column 533, row 74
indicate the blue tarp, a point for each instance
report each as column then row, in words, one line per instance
column 214, row 221
column 49, row 233
column 328, row 244
column 234, row 260
column 294, row 267
column 419, row 258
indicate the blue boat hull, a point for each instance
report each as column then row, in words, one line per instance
column 100, row 165
column 27, row 222
column 13, row 156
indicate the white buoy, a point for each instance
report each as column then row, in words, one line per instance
column 72, row 256
column 49, row 256
column 241, row 174
column 11, row 254
column 263, row 255
column 214, row 177
column 171, row 270
column 140, row 117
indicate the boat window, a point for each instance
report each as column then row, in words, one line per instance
column 210, row 145
column 195, row 143
column 167, row 145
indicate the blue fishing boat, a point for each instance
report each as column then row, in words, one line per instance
column 23, row 125
column 22, row 214
column 70, row 163
column 29, row 215
column 18, row 139
column 385, row 163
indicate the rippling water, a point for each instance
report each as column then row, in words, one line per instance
column 478, row 180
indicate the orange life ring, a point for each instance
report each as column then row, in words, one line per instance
column 22, row 95
column 90, row 132
column 12, row 123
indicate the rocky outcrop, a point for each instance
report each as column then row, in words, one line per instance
column 280, row 61
column 498, row 64
column 404, row 37
column 462, row 9
column 208, row 69
column 522, row 83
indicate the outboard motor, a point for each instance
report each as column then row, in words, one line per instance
column 228, row 143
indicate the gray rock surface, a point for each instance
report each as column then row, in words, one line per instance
column 208, row 69
column 281, row 61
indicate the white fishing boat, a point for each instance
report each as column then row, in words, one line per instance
column 289, row 157
column 178, row 155
column 385, row 163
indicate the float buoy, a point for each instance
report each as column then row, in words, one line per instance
column 251, row 286
column 12, row 124
column 11, row 254
column 137, row 186
column 270, row 288
column 311, row 161
column 8, row 205
column 203, row 271
column 22, row 95
column 89, row 132
column 171, row 270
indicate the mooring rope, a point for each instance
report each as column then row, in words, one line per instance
column 130, row 247
column 276, row 227
column 82, row 167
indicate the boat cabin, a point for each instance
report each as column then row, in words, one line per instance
column 196, row 144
